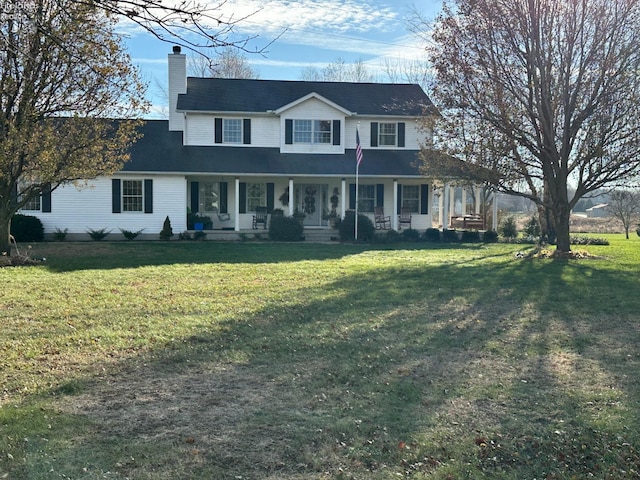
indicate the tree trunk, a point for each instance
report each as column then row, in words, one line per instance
column 5, row 230
column 561, row 217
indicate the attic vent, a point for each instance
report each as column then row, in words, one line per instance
column 176, row 49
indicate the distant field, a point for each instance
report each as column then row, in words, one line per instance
column 205, row 360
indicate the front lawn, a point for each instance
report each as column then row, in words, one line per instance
column 205, row 360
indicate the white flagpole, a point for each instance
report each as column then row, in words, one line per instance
column 356, row 218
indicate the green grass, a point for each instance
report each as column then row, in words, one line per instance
column 165, row 360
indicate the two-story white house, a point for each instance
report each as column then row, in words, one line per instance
column 232, row 145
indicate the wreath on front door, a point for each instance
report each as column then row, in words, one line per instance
column 310, row 200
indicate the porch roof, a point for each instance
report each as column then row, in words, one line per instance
column 160, row 150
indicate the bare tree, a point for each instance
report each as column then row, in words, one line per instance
column 339, row 71
column 226, row 63
column 59, row 90
column 535, row 94
column 625, row 206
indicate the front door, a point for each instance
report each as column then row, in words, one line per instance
column 309, row 200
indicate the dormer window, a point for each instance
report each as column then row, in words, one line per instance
column 232, row 130
column 312, row 131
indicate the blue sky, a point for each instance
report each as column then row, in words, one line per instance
column 316, row 33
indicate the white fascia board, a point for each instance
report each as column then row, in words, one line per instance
column 316, row 96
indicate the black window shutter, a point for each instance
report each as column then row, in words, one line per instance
column 46, row 198
column 424, row 199
column 195, row 197
column 218, row 132
column 223, row 201
column 246, row 131
column 242, row 193
column 148, row 196
column 288, row 131
column 401, row 134
column 336, row 132
column 270, row 196
column 374, row 134
column 116, row 203
column 352, row 196
column 380, row 195
column 399, row 198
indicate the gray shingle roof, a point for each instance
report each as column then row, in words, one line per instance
column 245, row 95
column 160, row 150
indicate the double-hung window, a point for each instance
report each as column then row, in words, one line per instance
column 312, row 131
column 411, row 198
column 387, row 134
column 366, row 198
column 256, row 196
column 132, row 196
column 33, row 204
column 232, row 130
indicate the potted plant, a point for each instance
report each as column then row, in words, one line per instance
column 284, row 198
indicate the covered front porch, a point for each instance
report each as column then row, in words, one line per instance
column 223, row 204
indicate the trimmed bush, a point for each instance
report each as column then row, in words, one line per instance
column 98, row 235
column 167, row 232
column 470, row 236
column 410, row 235
column 27, row 228
column 450, row 236
column 390, row 236
column 366, row 229
column 432, row 235
column 490, row 236
column 60, row 235
column 285, row 229
column 532, row 228
column 129, row 235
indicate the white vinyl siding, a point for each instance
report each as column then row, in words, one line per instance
column 89, row 207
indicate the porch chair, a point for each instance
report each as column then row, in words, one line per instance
column 382, row 222
column 404, row 218
column 260, row 218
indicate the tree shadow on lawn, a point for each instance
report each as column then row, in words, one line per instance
column 73, row 256
column 464, row 370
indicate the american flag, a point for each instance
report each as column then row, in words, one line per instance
column 358, row 149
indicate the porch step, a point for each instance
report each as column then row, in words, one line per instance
column 320, row 235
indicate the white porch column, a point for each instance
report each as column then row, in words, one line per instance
column 463, row 201
column 446, row 200
column 236, row 208
column 394, row 212
column 441, row 207
column 452, row 202
column 291, row 197
column 343, row 197
column 478, row 199
column 494, row 221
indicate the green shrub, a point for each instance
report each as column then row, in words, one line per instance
column 532, row 228
column 98, row 235
column 410, row 235
column 285, row 229
column 450, row 236
column 27, row 228
column 366, row 229
column 508, row 228
column 129, row 235
column 490, row 236
column 581, row 240
column 167, row 232
column 60, row 235
column 432, row 235
column 470, row 236
column 185, row 235
column 390, row 236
